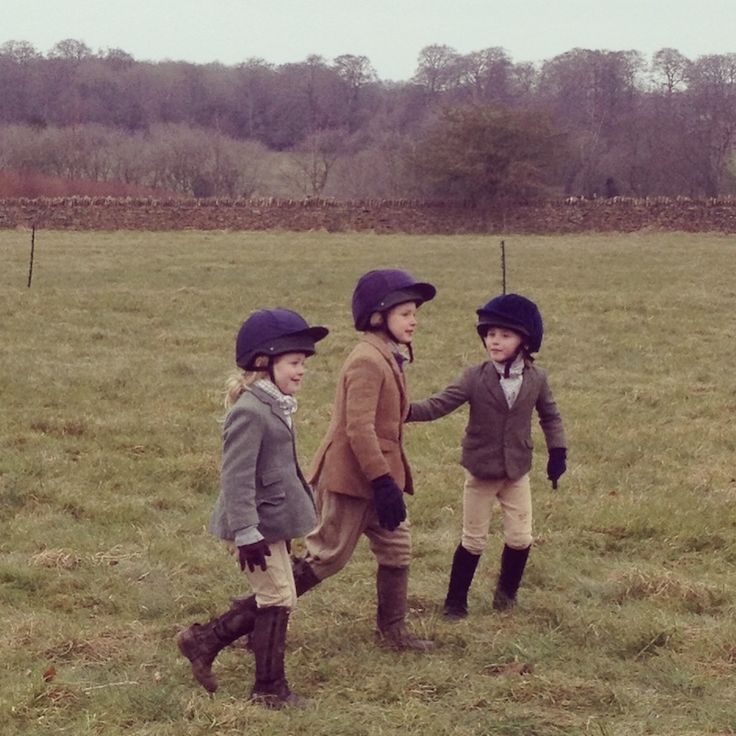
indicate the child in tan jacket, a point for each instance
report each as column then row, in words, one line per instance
column 503, row 392
column 360, row 472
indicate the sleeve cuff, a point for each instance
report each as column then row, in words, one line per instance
column 248, row 535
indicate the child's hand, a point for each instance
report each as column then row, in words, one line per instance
column 556, row 465
column 254, row 554
column 388, row 499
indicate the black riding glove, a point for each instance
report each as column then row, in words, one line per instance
column 389, row 502
column 254, row 555
column 557, row 464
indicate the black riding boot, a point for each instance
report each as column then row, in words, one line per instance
column 269, row 646
column 513, row 562
column 392, row 586
column 201, row 643
column 463, row 570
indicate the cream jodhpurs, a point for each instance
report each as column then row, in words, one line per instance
column 273, row 586
column 515, row 499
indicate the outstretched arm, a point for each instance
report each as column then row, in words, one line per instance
column 440, row 404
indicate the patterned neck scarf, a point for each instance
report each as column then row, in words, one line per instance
column 286, row 403
column 511, row 385
column 398, row 355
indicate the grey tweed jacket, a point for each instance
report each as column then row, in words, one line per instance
column 498, row 440
column 261, row 484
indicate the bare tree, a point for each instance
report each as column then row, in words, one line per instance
column 485, row 74
column 670, row 70
column 70, row 49
column 356, row 73
column 712, row 123
column 314, row 159
column 436, row 68
column 19, row 51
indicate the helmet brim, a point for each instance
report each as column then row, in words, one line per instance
column 295, row 342
column 317, row 333
column 485, row 323
column 418, row 293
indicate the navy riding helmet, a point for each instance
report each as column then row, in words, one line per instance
column 273, row 332
column 379, row 290
column 516, row 313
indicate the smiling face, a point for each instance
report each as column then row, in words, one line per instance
column 502, row 343
column 401, row 322
column 288, row 371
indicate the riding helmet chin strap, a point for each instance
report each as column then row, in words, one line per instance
column 391, row 335
column 510, row 361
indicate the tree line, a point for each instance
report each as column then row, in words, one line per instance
column 475, row 126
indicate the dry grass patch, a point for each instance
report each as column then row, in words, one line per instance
column 668, row 588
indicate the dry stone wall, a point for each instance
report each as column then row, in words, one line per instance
column 380, row 216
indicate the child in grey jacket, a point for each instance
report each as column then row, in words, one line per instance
column 502, row 393
column 264, row 500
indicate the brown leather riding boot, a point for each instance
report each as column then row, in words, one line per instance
column 271, row 689
column 201, row 643
column 392, row 586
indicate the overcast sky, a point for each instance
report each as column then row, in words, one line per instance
column 389, row 32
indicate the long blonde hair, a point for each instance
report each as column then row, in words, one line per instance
column 239, row 381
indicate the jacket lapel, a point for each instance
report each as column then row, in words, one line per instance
column 492, row 381
column 266, row 398
column 384, row 348
column 528, row 387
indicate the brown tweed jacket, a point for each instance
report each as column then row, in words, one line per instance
column 364, row 439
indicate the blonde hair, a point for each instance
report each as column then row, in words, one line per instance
column 239, row 381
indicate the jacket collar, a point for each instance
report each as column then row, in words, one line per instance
column 492, row 380
column 272, row 401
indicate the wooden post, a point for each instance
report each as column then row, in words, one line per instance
column 33, row 247
column 503, row 267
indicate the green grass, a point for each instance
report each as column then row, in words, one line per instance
column 112, row 368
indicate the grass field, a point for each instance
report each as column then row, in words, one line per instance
column 112, row 368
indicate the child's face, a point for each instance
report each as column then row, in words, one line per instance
column 502, row 343
column 288, row 371
column 401, row 322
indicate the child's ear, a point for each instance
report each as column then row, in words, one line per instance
column 376, row 319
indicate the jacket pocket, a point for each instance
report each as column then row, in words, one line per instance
column 272, row 489
column 387, row 445
column 269, row 477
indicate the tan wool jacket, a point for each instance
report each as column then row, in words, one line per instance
column 364, row 439
column 498, row 440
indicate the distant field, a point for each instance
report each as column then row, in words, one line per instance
column 112, row 367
